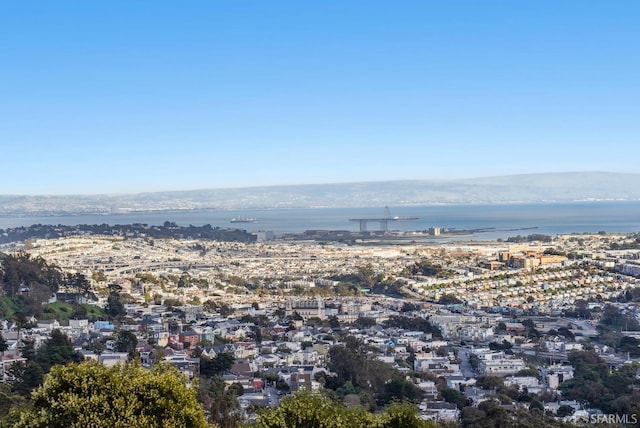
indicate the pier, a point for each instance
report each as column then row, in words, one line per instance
column 383, row 221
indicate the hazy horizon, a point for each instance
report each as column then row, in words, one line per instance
column 527, row 188
column 427, row 181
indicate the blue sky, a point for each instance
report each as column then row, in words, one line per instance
column 131, row 96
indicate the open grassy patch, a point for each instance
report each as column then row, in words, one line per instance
column 95, row 312
column 57, row 310
column 7, row 307
column 65, row 311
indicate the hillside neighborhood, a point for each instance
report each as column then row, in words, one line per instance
column 445, row 326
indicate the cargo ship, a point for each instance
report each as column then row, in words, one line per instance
column 244, row 220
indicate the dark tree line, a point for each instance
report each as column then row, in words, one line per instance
column 634, row 244
column 29, row 282
column 166, row 230
column 24, row 377
column 415, row 324
column 530, row 238
column 426, row 267
column 612, row 391
column 218, row 399
column 357, row 371
column 20, row 269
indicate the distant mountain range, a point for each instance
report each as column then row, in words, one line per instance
column 525, row 188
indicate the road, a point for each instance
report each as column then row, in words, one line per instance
column 272, row 396
column 465, row 366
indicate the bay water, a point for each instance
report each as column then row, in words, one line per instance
column 489, row 221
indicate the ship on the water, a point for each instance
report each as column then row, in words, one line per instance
column 244, row 220
column 404, row 218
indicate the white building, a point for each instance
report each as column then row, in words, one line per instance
column 502, row 366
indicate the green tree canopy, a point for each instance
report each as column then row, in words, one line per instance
column 564, row 410
column 3, row 344
column 221, row 363
column 612, row 391
column 21, row 268
column 114, row 307
column 78, row 282
column 124, row 396
column 454, row 396
column 9, row 399
column 57, row 350
column 126, row 341
column 354, row 362
column 27, row 283
column 614, row 319
column 305, row 410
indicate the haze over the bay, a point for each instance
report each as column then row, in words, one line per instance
column 527, row 188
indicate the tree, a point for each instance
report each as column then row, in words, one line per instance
column 489, row 382
column 528, row 372
column 90, row 394
column 3, row 344
column 78, row 282
column 564, row 410
column 449, row 299
column 628, row 344
column 504, row 346
column 21, row 268
column 564, row 331
column 236, row 389
column 9, row 399
column 366, row 275
column 403, row 415
column 413, row 323
column 220, row 402
column 355, row 363
column 536, row 405
column 409, row 307
column 126, row 341
column 400, row 389
column 427, row 268
column 334, row 322
column 593, row 382
column 614, row 319
column 220, row 307
column 305, row 410
column 24, row 377
column 312, row 411
column 57, row 350
column 114, row 307
column 365, row 322
column 28, row 282
column 28, row 349
column 454, row 396
column 221, row 363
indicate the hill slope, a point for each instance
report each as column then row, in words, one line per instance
column 559, row 187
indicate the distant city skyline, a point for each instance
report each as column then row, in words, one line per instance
column 128, row 97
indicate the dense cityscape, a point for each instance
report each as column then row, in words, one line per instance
column 466, row 333
column 347, row 214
